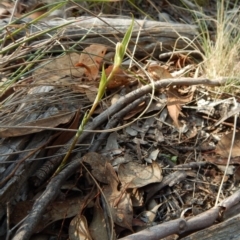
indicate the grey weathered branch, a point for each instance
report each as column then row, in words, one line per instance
column 155, row 37
column 228, row 229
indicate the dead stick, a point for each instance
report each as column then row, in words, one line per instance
column 51, row 192
column 114, row 121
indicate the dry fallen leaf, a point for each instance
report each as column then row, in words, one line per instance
column 175, row 100
column 97, row 163
column 135, row 175
column 135, row 111
column 90, row 60
column 120, row 203
column 137, row 197
column 173, row 106
column 216, row 159
column 149, row 216
column 57, row 68
column 224, row 145
column 157, row 72
column 78, row 229
column 77, row 86
column 57, row 210
column 32, row 109
column 53, row 121
column 98, row 226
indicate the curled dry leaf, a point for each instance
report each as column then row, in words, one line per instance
column 181, row 60
column 119, row 202
column 149, row 216
column 175, row 100
column 90, row 60
column 223, row 148
column 135, row 175
column 173, row 106
column 78, row 229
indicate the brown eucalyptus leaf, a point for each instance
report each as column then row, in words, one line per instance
column 174, row 111
column 90, row 60
column 135, row 175
column 53, row 121
column 60, row 67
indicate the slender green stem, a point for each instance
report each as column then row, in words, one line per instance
column 120, row 52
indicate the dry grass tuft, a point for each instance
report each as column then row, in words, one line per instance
column 223, row 48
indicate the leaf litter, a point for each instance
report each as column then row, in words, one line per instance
column 144, row 174
column 134, row 175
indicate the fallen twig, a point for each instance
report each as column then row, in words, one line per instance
column 51, row 192
column 114, row 121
